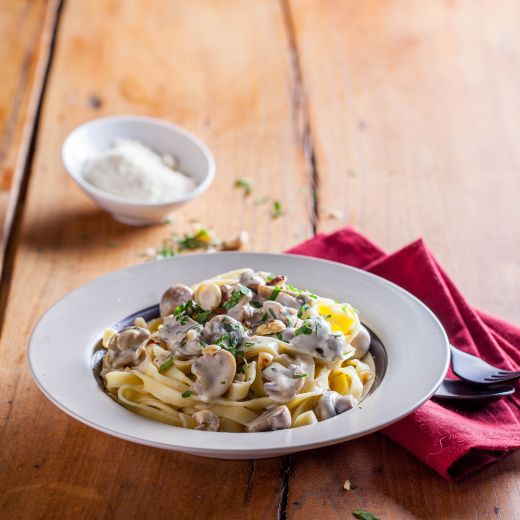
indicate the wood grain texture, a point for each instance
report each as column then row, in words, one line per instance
column 26, row 27
column 222, row 70
column 412, row 109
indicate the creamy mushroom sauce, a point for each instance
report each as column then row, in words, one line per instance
column 242, row 352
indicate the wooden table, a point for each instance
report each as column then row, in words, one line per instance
column 403, row 115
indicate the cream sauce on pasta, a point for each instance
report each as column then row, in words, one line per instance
column 243, row 351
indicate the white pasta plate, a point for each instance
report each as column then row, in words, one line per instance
column 410, row 362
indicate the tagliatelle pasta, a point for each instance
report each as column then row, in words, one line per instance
column 244, row 351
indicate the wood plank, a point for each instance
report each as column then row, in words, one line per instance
column 223, row 71
column 26, row 27
column 412, row 109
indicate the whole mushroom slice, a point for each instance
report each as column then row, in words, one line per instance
column 208, row 296
column 274, row 418
column 283, row 383
column 126, row 347
column 206, row 421
column 331, row 404
column 288, row 301
column 177, row 295
column 276, row 311
column 315, row 337
column 361, row 343
column 215, row 371
column 181, row 335
column 216, row 327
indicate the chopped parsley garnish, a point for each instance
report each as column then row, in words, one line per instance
column 203, row 344
column 249, row 344
column 277, row 209
column 306, row 329
column 244, row 184
column 275, row 293
column 256, row 305
column 230, row 340
column 272, row 313
column 292, row 288
column 279, row 336
column 270, row 277
column 328, row 316
column 166, row 365
column 264, row 318
column 186, row 394
column 313, row 296
column 203, row 316
column 301, row 375
column 235, row 297
column 182, row 312
column 361, row 514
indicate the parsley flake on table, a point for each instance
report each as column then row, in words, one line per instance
column 277, row 209
column 245, row 184
column 361, row 514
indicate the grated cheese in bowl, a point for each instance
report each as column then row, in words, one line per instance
column 131, row 170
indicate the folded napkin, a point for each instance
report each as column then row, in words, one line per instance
column 452, row 441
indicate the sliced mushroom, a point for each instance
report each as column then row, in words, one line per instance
column 126, row 347
column 177, row 295
column 361, row 343
column 252, row 280
column 274, row 418
column 277, row 311
column 206, row 421
column 181, row 335
column 215, row 328
column 315, row 337
column 331, row 404
column 283, row 383
column 208, row 296
column 288, row 301
column 215, row 372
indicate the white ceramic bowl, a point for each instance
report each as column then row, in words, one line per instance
column 195, row 160
column 62, row 345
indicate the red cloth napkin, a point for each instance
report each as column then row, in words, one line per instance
column 452, row 441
